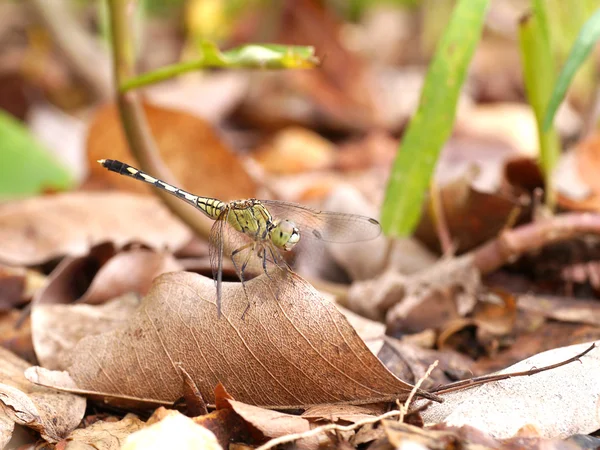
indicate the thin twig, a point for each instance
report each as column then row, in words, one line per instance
column 511, row 244
column 477, row 381
column 334, row 427
column 138, row 134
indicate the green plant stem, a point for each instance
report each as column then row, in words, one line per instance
column 538, row 72
column 162, row 74
column 135, row 126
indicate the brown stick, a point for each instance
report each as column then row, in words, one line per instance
column 511, row 244
column 137, row 131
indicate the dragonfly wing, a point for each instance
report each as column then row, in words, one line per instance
column 215, row 253
column 325, row 225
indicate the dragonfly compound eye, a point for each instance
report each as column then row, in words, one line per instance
column 285, row 235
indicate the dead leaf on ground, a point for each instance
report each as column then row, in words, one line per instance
column 128, row 271
column 226, row 424
column 274, row 424
column 57, row 328
column 102, row 435
column 410, row 362
column 190, row 148
column 343, row 413
column 565, row 309
column 18, row 285
column 584, row 163
column 53, row 414
column 298, row 350
column 15, row 338
column 558, row 402
column 61, row 381
column 536, row 335
column 36, row 230
column 174, row 430
column 295, row 150
column 471, row 215
column 220, row 93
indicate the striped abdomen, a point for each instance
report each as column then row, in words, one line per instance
column 209, row 206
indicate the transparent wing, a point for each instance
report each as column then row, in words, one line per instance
column 215, row 253
column 325, row 225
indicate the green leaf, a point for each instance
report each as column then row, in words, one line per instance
column 432, row 124
column 581, row 49
column 26, row 167
column 538, row 73
column 251, row 56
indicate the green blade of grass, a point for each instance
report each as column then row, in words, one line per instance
column 581, row 49
column 432, row 124
column 251, row 56
column 538, row 73
column 26, row 167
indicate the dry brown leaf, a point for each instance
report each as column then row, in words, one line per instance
column 344, row 413
column 295, row 150
column 194, row 153
column 6, row 429
column 102, row 435
column 298, row 350
column 121, row 273
column 472, row 216
column 274, row 424
column 70, row 279
column 174, row 430
column 227, row 425
column 53, row 414
column 58, row 328
column 36, row 230
column 17, row 285
column 131, row 271
column 566, row 309
column 61, row 381
column 15, row 334
column 558, row 402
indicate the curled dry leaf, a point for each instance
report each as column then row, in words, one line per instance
column 36, row 230
column 559, row 402
column 274, row 424
column 121, row 273
column 15, row 334
column 58, row 328
column 173, row 431
column 294, row 351
column 102, row 435
column 17, row 285
column 197, row 157
column 53, row 414
column 131, row 271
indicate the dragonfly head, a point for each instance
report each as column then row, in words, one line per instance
column 285, row 235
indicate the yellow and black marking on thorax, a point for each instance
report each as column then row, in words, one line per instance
column 250, row 217
column 210, row 206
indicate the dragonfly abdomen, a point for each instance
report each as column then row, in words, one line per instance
column 211, row 206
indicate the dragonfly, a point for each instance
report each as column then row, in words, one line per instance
column 255, row 232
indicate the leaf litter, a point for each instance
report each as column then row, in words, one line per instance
column 53, row 414
column 301, row 338
column 36, row 230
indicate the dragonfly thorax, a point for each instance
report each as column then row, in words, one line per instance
column 284, row 234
